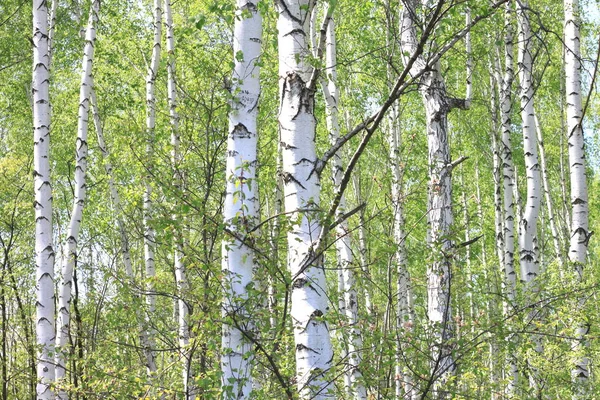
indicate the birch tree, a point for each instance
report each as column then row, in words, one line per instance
column 125, row 249
column 149, row 233
column 81, row 153
column 314, row 353
column 183, row 311
column 528, row 242
column 240, row 209
column 439, row 274
column 579, row 195
column 44, row 248
column 345, row 257
column 505, row 82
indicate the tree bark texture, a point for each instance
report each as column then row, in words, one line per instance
column 44, row 248
column 240, row 210
column 314, row 353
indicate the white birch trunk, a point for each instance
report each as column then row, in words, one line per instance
column 81, row 151
column 362, row 238
column 178, row 251
column 149, row 233
column 528, row 222
column 433, row 92
column 495, row 357
column 579, row 196
column 528, row 242
column 240, row 209
column 548, row 196
column 125, row 251
column 44, row 248
column 404, row 381
column 405, row 385
column 509, row 188
column 314, row 353
column 355, row 386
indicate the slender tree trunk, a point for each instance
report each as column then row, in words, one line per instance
column 355, row 386
column 495, row 357
column 528, row 223
column 314, row 353
column 405, row 384
column 125, row 248
column 548, row 196
column 149, row 233
column 404, row 380
column 44, row 248
column 81, row 152
column 579, row 197
column 440, row 218
column 528, row 242
column 240, row 210
column 363, row 249
column 183, row 311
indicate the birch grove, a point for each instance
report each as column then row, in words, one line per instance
column 290, row 199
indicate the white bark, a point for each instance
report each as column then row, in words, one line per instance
column 125, row 250
column 509, row 186
column 495, row 357
column 314, row 353
column 44, row 248
column 149, row 233
column 81, row 152
column 508, row 172
column 405, row 385
column 240, row 209
column 528, row 222
column 354, row 386
column 528, row 244
column 579, row 196
column 178, row 251
column 548, row 196
column 433, row 92
column 404, row 380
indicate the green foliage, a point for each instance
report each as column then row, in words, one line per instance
column 105, row 360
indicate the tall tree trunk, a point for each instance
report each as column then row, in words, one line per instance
column 125, row 248
column 528, row 242
column 44, row 248
column 579, row 196
column 81, row 152
column 345, row 257
column 439, row 275
column 548, row 195
column 404, row 380
column 528, row 222
column 509, row 200
column 495, row 364
column 314, row 353
column 149, row 233
column 183, row 311
column 241, row 200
